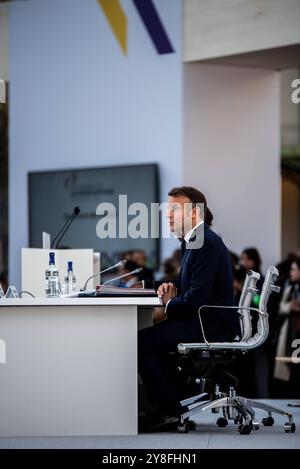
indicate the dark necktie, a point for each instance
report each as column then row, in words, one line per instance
column 183, row 246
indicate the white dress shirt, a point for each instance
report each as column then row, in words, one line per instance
column 187, row 237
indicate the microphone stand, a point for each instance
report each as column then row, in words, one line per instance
column 66, row 227
column 118, row 264
column 135, row 271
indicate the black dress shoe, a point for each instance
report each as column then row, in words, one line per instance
column 148, row 419
column 169, row 421
column 167, row 424
column 164, row 423
column 163, row 420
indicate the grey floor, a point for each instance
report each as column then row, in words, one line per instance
column 207, row 435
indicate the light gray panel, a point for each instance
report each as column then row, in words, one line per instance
column 69, row 371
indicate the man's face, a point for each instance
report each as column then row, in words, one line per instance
column 180, row 215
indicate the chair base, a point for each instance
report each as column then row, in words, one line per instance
column 236, row 408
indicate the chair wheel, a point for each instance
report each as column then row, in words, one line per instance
column 289, row 427
column 268, row 421
column 184, row 428
column 254, row 425
column 222, row 422
column 245, row 429
column 192, row 425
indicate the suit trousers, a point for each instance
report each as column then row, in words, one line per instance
column 154, row 345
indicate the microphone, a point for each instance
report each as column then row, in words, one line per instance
column 135, row 271
column 65, row 227
column 118, row 264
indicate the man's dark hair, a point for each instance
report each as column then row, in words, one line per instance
column 196, row 197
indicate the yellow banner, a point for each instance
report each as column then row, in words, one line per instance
column 117, row 20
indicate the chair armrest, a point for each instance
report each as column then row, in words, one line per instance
column 209, row 345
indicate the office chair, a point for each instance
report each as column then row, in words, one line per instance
column 216, row 355
column 188, row 367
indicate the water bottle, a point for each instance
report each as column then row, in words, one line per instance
column 52, row 278
column 69, row 285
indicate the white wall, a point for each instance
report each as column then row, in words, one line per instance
column 77, row 101
column 216, row 28
column 232, row 150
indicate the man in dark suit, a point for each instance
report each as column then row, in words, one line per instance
column 205, row 278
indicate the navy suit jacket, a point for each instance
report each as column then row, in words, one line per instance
column 206, row 278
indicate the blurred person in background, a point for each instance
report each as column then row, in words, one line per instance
column 177, row 257
column 131, row 279
column 127, row 255
column 140, row 258
column 260, row 360
column 170, row 268
column 4, row 280
column 284, row 267
column 170, row 272
column 250, row 260
column 235, row 260
column 238, row 282
column 239, row 274
column 289, row 313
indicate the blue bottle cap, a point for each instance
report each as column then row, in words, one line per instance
column 70, row 266
column 51, row 258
